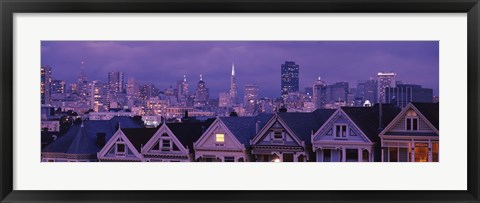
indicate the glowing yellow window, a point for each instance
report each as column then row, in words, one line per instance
column 220, row 137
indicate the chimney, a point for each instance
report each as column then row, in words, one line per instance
column 101, row 139
column 257, row 127
column 380, row 116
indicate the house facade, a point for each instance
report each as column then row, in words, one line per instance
column 228, row 139
column 413, row 135
column 82, row 142
column 169, row 142
column 286, row 137
column 351, row 134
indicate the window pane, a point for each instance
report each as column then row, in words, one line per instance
column 415, row 124
column 409, row 124
column 435, row 151
column 220, row 137
column 344, row 131
column 393, row 154
column 421, row 152
column 352, row 155
column 403, row 154
column 166, row 143
column 120, row 147
column 337, row 131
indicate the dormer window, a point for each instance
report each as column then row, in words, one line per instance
column 219, row 139
column 277, row 135
column 120, row 149
column 411, row 121
column 340, row 131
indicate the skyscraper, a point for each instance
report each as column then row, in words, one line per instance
column 319, row 93
column 233, row 86
column 385, row 79
column 289, row 78
column 82, row 84
column 403, row 94
column 133, row 91
column 116, row 82
column 201, row 95
column 58, row 87
column 367, row 90
column 182, row 87
column 99, row 96
column 337, row 92
column 250, row 99
column 45, row 84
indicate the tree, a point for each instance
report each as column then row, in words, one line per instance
column 233, row 114
column 65, row 123
column 282, row 109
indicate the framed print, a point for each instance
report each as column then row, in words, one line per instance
column 239, row 101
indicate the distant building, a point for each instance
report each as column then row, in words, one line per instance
column 147, row 91
column 224, row 100
column 202, row 94
column 403, row 94
column 233, row 87
column 319, row 93
column 45, row 84
column 337, row 92
column 58, row 87
column 116, row 82
column 83, row 88
column 182, row 91
column 385, row 79
column 250, row 101
column 99, row 100
column 289, row 78
column 133, row 90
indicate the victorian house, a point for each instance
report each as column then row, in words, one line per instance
column 82, row 141
column 413, row 135
column 286, row 136
column 169, row 142
column 228, row 139
column 351, row 134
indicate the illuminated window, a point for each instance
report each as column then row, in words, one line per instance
column 341, row 131
column 220, row 137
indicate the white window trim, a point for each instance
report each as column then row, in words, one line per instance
column 161, row 147
column 120, row 154
column 411, row 123
column 220, row 144
column 347, row 131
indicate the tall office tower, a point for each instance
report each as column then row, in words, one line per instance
column 403, row 94
column 99, row 96
column 58, row 87
column 45, row 84
column 147, row 91
column 82, row 83
column 133, row 90
column 385, row 79
column 233, row 87
column 116, row 82
column 337, row 92
column 250, row 99
column 289, row 78
column 201, row 95
column 182, row 94
column 367, row 90
column 319, row 93
column 224, row 100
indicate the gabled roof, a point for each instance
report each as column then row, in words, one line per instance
column 187, row 133
column 244, row 128
column 430, row 111
column 82, row 138
column 139, row 136
column 367, row 118
column 302, row 124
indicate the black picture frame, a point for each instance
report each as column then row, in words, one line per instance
column 10, row 7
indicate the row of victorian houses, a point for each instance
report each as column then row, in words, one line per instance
column 347, row 134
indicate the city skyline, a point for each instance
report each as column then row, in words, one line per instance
column 414, row 62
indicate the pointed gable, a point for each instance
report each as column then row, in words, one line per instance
column 304, row 124
column 120, row 147
column 416, row 119
column 276, row 132
column 245, row 128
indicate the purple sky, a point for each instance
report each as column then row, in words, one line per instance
column 256, row 62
